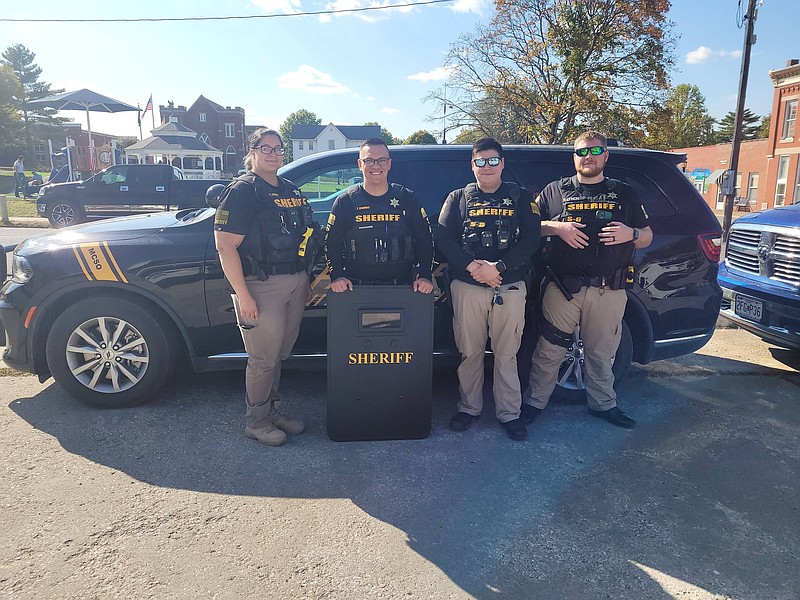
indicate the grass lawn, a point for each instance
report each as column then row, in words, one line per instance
column 19, row 207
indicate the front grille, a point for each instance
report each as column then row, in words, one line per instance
column 765, row 251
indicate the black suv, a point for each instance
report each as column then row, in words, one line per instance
column 109, row 309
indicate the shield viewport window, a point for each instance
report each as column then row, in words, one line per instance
column 382, row 320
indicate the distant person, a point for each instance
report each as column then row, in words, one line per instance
column 19, row 176
column 596, row 224
column 378, row 234
column 36, row 182
column 488, row 232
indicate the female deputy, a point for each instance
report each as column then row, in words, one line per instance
column 266, row 240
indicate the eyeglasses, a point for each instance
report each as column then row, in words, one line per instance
column 368, row 162
column 482, row 162
column 594, row 150
column 267, row 149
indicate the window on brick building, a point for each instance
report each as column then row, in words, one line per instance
column 202, row 117
column 796, row 197
column 780, row 184
column 229, row 130
column 789, row 118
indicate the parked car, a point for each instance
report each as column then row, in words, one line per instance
column 120, row 190
column 108, row 309
column 760, row 276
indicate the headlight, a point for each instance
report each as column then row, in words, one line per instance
column 21, row 271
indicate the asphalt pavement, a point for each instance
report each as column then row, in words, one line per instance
column 170, row 500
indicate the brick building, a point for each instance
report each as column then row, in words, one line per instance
column 768, row 173
column 218, row 126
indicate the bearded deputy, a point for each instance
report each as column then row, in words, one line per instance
column 596, row 224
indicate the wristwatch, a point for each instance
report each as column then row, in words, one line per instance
column 500, row 266
column 635, row 234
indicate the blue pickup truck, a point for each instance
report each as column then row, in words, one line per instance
column 119, row 191
column 760, row 276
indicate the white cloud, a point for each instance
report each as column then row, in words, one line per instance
column 370, row 98
column 390, row 111
column 479, row 7
column 438, row 74
column 370, row 16
column 286, row 7
column 308, row 79
column 704, row 53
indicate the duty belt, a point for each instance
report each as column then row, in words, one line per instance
column 377, row 281
column 285, row 268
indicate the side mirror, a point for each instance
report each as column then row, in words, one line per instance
column 213, row 193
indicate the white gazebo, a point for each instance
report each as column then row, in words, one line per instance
column 179, row 146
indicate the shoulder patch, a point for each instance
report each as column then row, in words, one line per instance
column 535, row 208
column 221, row 217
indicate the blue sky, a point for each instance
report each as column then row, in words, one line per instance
column 348, row 69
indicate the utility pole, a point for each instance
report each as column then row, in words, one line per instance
column 729, row 177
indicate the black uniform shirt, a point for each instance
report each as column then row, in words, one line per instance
column 240, row 204
column 343, row 218
column 551, row 201
column 517, row 257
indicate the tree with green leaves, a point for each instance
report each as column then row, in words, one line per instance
column 420, row 137
column 386, row 136
column 10, row 88
column 556, row 66
column 682, row 122
column 37, row 121
column 763, row 130
column 751, row 123
column 298, row 117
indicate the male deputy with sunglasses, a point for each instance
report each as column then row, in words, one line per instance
column 596, row 223
column 488, row 232
column 378, row 234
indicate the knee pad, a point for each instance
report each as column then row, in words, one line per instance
column 554, row 335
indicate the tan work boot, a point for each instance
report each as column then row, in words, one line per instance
column 269, row 435
column 281, row 421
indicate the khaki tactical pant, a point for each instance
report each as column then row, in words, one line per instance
column 598, row 312
column 281, row 300
column 475, row 320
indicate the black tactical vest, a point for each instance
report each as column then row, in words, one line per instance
column 284, row 237
column 594, row 211
column 489, row 224
column 378, row 232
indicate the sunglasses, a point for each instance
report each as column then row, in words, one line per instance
column 482, row 162
column 593, row 150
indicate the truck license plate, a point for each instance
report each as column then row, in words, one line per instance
column 748, row 308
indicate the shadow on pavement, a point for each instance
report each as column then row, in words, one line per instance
column 703, row 491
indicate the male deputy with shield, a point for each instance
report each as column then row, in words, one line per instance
column 378, row 234
column 596, row 223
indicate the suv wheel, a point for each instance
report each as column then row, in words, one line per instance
column 110, row 352
column 63, row 213
column 571, row 385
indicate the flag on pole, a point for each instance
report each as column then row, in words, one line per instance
column 148, row 106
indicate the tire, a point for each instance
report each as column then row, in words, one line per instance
column 571, row 387
column 63, row 213
column 132, row 372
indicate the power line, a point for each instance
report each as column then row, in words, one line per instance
column 232, row 18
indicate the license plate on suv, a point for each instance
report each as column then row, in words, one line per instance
column 749, row 308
